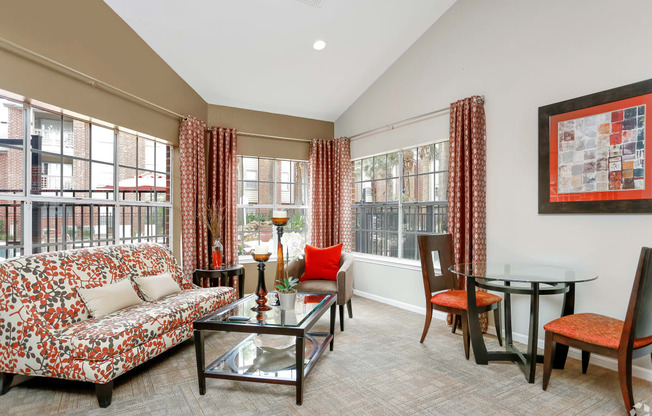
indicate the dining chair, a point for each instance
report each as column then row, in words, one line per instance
column 441, row 289
column 593, row 333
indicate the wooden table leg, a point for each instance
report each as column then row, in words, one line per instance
column 333, row 309
column 199, row 353
column 561, row 351
column 477, row 341
column 533, row 338
column 300, row 368
column 241, row 282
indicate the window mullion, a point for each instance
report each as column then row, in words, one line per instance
column 27, row 181
column 400, row 205
column 117, row 212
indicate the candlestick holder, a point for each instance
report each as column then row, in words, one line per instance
column 280, row 264
column 261, row 290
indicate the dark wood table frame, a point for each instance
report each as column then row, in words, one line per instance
column 221, row 277
column 528, row 361
column 300, row 332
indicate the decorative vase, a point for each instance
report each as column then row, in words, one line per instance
column 217, row 252
column 287, row 300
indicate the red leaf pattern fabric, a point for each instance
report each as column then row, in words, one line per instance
column 330, row 183
column 192, row 136
column 467, row 184
column 45, row 329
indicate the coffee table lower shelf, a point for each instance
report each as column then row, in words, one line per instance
column 247, row 362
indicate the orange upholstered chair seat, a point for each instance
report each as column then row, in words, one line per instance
column 593, row 329
column 457, row 299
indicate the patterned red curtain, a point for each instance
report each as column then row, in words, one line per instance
column 192, row 134
column 222, row 186
column 467, row 184
column 330, row 180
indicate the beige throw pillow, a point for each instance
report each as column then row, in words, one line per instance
column 155, row 287
column 103, row 300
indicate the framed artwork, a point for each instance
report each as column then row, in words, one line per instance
column 592, row 153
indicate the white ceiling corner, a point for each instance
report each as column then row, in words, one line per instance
column 257, row 54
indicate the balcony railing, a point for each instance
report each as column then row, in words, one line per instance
column 10, row 230
column 62, row 225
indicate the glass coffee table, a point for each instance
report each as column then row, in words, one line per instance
column 280, row 349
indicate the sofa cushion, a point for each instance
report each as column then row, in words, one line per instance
column 97, row 339
column 103, row 300
column 155, row 287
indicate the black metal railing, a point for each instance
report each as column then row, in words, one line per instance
column 68, row 225
column 10, row 230
column 376, row 227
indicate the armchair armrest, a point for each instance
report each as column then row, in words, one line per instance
column 345, row 279
column 296, row 268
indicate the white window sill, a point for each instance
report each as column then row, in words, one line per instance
column 388, row 261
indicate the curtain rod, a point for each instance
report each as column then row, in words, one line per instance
column 94, row 82
column 401, row 123
column 267, row 136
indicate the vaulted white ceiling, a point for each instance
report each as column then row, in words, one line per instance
column 257, row 54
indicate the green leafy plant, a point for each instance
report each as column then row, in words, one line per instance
column 288, row 285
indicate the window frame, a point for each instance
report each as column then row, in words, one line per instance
column 273, row 242
column 396, row 207
column 60, row 203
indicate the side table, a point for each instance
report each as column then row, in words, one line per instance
column 221, row 277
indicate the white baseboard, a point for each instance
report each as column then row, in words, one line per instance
column 605, row 362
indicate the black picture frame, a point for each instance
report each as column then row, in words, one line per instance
column 586, row 207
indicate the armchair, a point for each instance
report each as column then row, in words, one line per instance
column 343, row 287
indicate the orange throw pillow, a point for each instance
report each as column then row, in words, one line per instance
column 322, row 263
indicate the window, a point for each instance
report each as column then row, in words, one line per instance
column 58, row 178
column 397, row 196
column 265, row 185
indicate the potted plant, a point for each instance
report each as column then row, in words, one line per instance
column 287, row 293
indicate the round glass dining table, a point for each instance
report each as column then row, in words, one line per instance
column 532, row 280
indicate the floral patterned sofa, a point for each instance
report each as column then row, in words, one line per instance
column 45, row 329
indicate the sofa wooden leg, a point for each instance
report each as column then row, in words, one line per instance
column 104, row 393
column 342, row 318
column 5, row 382
column 350, row 308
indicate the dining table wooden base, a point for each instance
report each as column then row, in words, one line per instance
column 480, row 275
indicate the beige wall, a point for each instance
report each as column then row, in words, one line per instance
column 259, row 122
column 89, row 37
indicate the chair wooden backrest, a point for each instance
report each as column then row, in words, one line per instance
column 443, row 245
column 638, row 321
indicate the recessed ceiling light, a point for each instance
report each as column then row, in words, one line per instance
column 319, row 45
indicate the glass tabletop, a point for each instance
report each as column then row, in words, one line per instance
column 524, row 273
column 306, row 304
